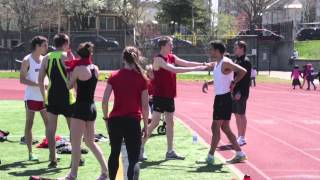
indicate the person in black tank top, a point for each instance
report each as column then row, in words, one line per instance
column 59, row 98
column 85, row 108
column 85, row 77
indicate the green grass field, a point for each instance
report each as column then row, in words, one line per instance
column 180, row 77
column 309, row 50
column 15, row 167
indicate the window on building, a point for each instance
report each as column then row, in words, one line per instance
column 110, row 23
column 91, row 22
column 14, row 42
column 1, row 42
column 107, row 23
column 103, row 22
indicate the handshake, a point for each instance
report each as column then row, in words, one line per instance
column 205, row 66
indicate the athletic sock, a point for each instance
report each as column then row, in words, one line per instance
column 171, row 151
column 210, row 156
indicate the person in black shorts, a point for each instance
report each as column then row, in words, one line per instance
column 223, row 74
column 85, row 77
column 59, row 98
column 165, row 90
column 241, row 91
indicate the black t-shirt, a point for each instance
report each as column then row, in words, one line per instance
column 243, row 86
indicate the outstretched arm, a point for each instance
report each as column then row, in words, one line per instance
column 160, row 63
column 185, row 63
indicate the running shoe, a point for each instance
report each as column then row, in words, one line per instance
column 237, row 159
column 209, row 161
column 33, row 158
column 241, row 141
column 69, row 177
column 103, row 176
column 173, row 156
column 23, row 141
column 81, row 162
column 53, row 164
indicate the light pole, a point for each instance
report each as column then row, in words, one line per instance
column 192, row 14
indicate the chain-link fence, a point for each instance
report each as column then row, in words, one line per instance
column 265, row 54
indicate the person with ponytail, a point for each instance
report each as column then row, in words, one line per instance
column 85, row 77
column 129, row 86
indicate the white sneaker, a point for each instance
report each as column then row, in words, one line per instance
column 241, row 141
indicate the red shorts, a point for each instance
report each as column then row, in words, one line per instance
column 32, row 105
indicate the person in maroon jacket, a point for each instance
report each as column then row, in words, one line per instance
column 165, row 90
column 129, row 86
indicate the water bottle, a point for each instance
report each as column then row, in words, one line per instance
column 195, row 138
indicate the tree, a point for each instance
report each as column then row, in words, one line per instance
column 309, row 10
column 80, row 10
column 226, row 25
column 254, row 10
column 183, row 12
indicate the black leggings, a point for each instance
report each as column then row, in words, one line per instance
column 128, row 129
column 310, row 81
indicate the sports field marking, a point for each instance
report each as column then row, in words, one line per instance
column 276, row 118
column 311, row 122
column 124, row 162
column 291, row 170
column 283, row 106
column 218, row 155
column 223, row 143
column 265, row 121
column 312, row 149
column 286, row 92
column 120, row 170
column 298, row 177
column 285, row 143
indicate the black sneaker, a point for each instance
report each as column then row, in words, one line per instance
column 53, row 164
column 81, row 162
column 173, row 156
column 23, row 141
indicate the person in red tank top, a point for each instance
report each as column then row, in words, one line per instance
column 129, row 86
column 165, row 90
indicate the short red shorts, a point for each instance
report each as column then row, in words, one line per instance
column 32, row 105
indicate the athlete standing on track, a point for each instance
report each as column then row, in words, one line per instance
column 223, row 75
column 164, row 91
column 241, row 91
column 34, row 101
column 59, row 99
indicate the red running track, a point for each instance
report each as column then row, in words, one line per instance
column 283, row 133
